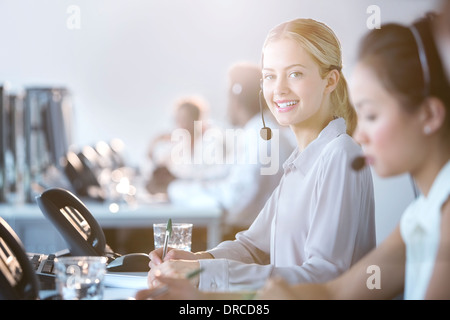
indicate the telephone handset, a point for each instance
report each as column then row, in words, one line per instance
column 18, row 280
column 82, row 176
column 83, row 168
column 81, row 231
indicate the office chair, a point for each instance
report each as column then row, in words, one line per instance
column 18, row 280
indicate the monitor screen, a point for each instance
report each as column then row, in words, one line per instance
column 48, row 132
column 48, row 124
column 3, row 142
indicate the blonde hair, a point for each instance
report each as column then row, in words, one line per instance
column 325, row 49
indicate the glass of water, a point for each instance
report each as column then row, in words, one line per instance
column 80, row 278
column 181, row 235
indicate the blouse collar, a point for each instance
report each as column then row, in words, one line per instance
column 304, row 160
column 420, row 215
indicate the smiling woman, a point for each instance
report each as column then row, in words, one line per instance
column 310, row 68
column 319, row 194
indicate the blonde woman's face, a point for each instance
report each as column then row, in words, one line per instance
column 390, row 136
column 292, row 85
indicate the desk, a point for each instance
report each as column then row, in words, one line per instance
column 38, row 235
column 117, row 286
column 108, row 294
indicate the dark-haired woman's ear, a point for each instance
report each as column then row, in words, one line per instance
column 434, row 112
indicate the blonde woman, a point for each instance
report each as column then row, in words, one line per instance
column 320, row 219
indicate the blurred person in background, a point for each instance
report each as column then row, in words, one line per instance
column 441, row 32
column 179, row 154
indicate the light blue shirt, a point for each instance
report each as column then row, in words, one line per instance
column 420, row 230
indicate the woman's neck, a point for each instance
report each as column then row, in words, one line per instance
column 426, row 174
column 307, row 131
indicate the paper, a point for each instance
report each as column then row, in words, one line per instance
column 129, row 280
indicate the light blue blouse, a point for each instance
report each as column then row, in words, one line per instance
column 420, row 229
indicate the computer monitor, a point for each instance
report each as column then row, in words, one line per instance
column 12, row 156
column 3, row 143
column 59, row 123
column 48, row 133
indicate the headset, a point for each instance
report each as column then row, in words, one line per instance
column 265, row 132
column 419, row 30
column 423, row 59
column 434, row 78
column 427, row 52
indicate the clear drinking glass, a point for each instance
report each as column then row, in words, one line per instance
column 80, row 278
column 181, row 235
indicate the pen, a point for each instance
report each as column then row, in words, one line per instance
column 164, row 289
column 166, row 238
column 193, row 273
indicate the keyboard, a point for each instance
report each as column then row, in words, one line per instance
column 43, row 265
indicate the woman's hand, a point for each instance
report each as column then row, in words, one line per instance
column 174, row 269
column 172, row 254
column 176, row 262
column 276, row 289
column 177, row 289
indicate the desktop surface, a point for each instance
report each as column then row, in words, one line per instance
column 38, row 235
column 118, row 286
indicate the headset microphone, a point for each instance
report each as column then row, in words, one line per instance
column 265, row 132
column 358, row 163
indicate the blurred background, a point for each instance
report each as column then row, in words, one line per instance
column 124, row 63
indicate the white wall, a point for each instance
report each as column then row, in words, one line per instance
column 131, row 59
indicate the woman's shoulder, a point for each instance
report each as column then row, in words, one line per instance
column 342, row 145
